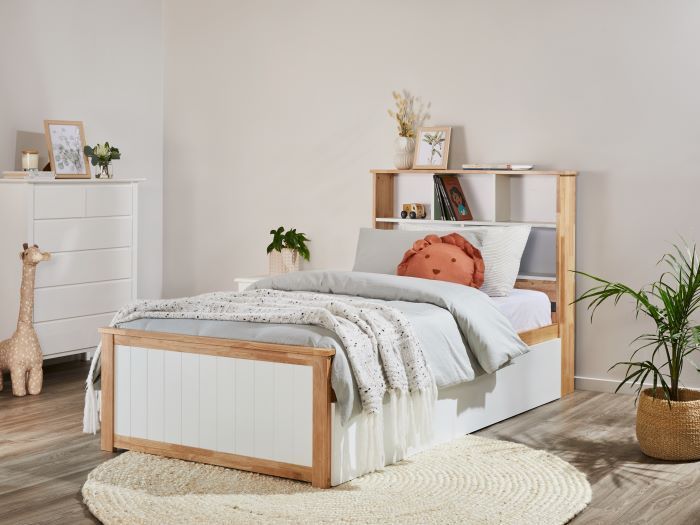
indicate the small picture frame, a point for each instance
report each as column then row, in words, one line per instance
column 65, row 140
column 432, row 148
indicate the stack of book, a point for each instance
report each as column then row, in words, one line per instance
column 450, row 202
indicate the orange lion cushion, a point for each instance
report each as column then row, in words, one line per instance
column 449, row 258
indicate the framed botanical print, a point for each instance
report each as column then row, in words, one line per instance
column 432, row 148
column 65, row 140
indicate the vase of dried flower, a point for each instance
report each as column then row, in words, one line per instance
column 403, row 152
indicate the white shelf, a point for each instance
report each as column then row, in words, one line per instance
column 465, row 224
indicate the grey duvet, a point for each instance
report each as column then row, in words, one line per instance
column 461, row 331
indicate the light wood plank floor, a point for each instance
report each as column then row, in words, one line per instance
column 44, row 457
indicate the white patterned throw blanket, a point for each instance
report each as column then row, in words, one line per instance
column 379, row 342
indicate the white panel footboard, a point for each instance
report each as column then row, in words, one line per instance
column 250, row 408
column 268, row 408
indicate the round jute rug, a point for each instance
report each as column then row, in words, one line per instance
column 471, row 480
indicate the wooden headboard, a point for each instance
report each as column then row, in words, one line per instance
column 495, row 206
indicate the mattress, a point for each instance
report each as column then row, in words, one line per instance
column 525, row 309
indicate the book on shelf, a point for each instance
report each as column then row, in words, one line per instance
column 498, row 167
column 445, row 209
column 438, row 211
column 453, row 203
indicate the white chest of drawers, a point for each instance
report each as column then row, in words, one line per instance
column 90, row 228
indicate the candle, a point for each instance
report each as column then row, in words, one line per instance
column 30, row 160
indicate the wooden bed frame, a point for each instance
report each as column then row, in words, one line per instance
column 275, row 401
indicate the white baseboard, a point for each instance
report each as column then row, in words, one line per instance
column 594, row 384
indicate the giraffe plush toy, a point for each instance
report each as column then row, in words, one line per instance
column 21, row 354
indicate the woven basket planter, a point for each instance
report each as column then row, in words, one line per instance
column 671, row 433
column 284, row 262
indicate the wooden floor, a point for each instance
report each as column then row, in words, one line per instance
column 44, row 457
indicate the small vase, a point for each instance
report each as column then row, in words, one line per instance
column 403, row 152
column 104, row 171
column 285, row 261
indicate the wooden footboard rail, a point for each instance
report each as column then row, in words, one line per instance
column 137, row 346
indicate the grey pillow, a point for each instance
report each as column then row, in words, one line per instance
column 381, row 251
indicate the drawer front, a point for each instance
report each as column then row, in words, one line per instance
column 68, row 335
column 83, row 234
column 78, row 300
column 58, row 202
column 84, row 267
column 106, row 201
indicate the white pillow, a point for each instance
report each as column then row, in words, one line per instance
column 501, row 248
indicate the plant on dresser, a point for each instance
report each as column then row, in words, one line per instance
column 285, row 249
column 668, row 416
column 102, row 155
column 91, row 229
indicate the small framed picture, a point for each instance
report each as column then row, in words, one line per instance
column 432, row 148
column 65, row 140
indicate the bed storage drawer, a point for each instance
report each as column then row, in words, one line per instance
column 64, row 235
column 67, row 335
column 85, row 267
column 62, row 302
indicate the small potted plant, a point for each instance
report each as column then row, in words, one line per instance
column 668, row 416
column 409, row 114
column 285, row 250
column 102, row 155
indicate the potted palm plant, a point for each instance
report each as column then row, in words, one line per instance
column 285, row 250
column 668, row 415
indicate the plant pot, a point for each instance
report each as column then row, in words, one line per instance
column 284, row 262
column 671, row 433
column 403, row 152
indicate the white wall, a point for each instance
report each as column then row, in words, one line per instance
column 275, row 112
column 100, row 62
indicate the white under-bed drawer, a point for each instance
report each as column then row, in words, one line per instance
column 65, row 235
column 63, row 302
column 67, row 335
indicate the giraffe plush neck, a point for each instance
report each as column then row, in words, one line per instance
column 26, row 297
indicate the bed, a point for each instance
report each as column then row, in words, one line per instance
column 224, row 394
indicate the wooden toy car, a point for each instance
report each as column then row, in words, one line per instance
column 413, row 210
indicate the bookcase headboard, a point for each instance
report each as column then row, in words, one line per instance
column 546, row 200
